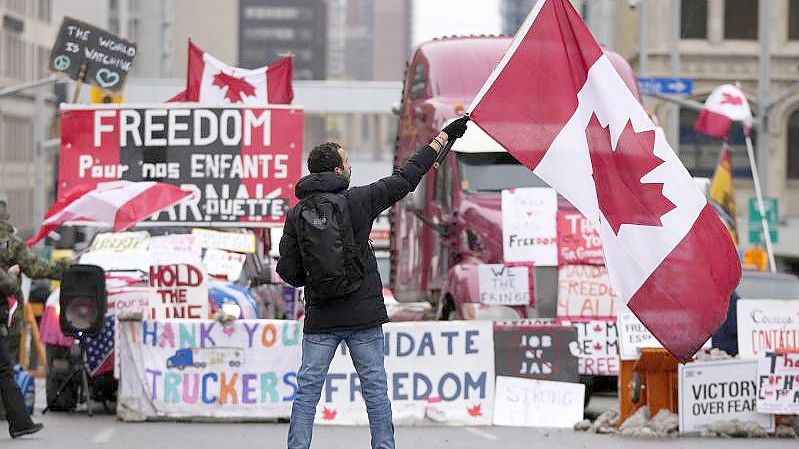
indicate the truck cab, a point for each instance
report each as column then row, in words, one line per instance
column 452, row 223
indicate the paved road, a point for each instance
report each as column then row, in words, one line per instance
column 78, row 431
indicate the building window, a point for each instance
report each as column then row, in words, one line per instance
column 792, row 170
column 700, row 153
column 793, row 20
column 740, row 19
column 693, row 20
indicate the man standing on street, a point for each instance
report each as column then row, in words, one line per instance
column 14, row 252
column 348, row 303
column 19, row 422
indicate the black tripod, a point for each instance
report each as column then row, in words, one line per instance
column 79, row 369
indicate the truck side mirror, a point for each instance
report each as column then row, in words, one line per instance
column 416, row 200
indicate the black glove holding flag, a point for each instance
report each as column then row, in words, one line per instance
column 456, row 129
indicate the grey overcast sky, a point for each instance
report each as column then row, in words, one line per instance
column 436, row 18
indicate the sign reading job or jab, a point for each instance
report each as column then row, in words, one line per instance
column 91, row 54
column 438, row 373
column 242, row 163
column 201, row 368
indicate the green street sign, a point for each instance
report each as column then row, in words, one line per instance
column 755, row 228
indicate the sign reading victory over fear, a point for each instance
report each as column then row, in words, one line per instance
column 242, row 163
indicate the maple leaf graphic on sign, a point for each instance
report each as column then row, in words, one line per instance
column 237, row 88
column 623, row 198
column 328, row 414
column 477, row 410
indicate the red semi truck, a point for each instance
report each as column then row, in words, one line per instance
column 452, row 223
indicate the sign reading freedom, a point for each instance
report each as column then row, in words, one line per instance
column 242, row 163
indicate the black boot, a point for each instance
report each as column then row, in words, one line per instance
column 27, row 431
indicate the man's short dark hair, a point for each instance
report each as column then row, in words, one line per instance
column 325, row 157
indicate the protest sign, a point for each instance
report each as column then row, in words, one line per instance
column 537, row 403
column 584, row 291
column 223, row 263
column 535, row 351
column 719, row 391
column 506, row 284
column 120, row 241
column 90, row 54
column 597, row 346
column 183, row 369
column 240, row 242
column 438, row 373
column 578, row 240
column 767, row 326
column 529, row 226
column 178, row 290
column 633, row 335
column 241, row 163
column 778, row 380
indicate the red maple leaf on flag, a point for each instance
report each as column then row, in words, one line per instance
column 728, row 98
column 622, row 197
column 477, row 410
column 328, row 415
column 236, row 87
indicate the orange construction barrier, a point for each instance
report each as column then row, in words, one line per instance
column 651, row 380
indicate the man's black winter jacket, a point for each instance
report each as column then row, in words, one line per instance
column 365, row 307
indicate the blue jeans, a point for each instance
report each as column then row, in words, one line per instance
column 366, row 350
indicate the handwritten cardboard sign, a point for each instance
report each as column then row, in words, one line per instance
column 778, row 379
column 503, row 284
column 535, row 351
column 767, row 325
column 529, row 226
column 537, row 403
column 178, row 291
column 597, row 346
column 578, row 240
column 584, row 291
column 107, row 58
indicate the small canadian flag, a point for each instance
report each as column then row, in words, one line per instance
column 211, row 81
column 726, row 104
column 556, row 103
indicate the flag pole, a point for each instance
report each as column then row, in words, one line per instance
column 760, row 205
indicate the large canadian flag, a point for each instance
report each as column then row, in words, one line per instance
column 557, row 104
column 726, row 104
column 211, row 81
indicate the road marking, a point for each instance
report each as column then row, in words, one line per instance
column 481, row 433
column 104, row 436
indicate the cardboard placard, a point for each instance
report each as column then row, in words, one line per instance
column 537, row 403
column 506, row 284
column 240, row 242
column 178, row 291
column 597, row 346
column 578, row 240
column 107, row 58
column 241, row 163
column 778, row 379
column 529, row 226
column 584, row 291
column 633, row 335
column 120, row 241
column 223, row 263
column 438, row 373
column 767, row 326
column 535, row 351
column 183, row 369
column 719, row 391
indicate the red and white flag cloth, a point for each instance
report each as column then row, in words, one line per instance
column 12, row 303
column 557, row 104
column 211, row 81
column 726, row 104
column 120, row 204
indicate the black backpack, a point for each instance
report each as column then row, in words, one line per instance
column 333, row 262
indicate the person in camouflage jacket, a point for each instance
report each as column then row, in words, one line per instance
column 13, row 251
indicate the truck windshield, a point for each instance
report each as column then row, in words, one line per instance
column 493, row 172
